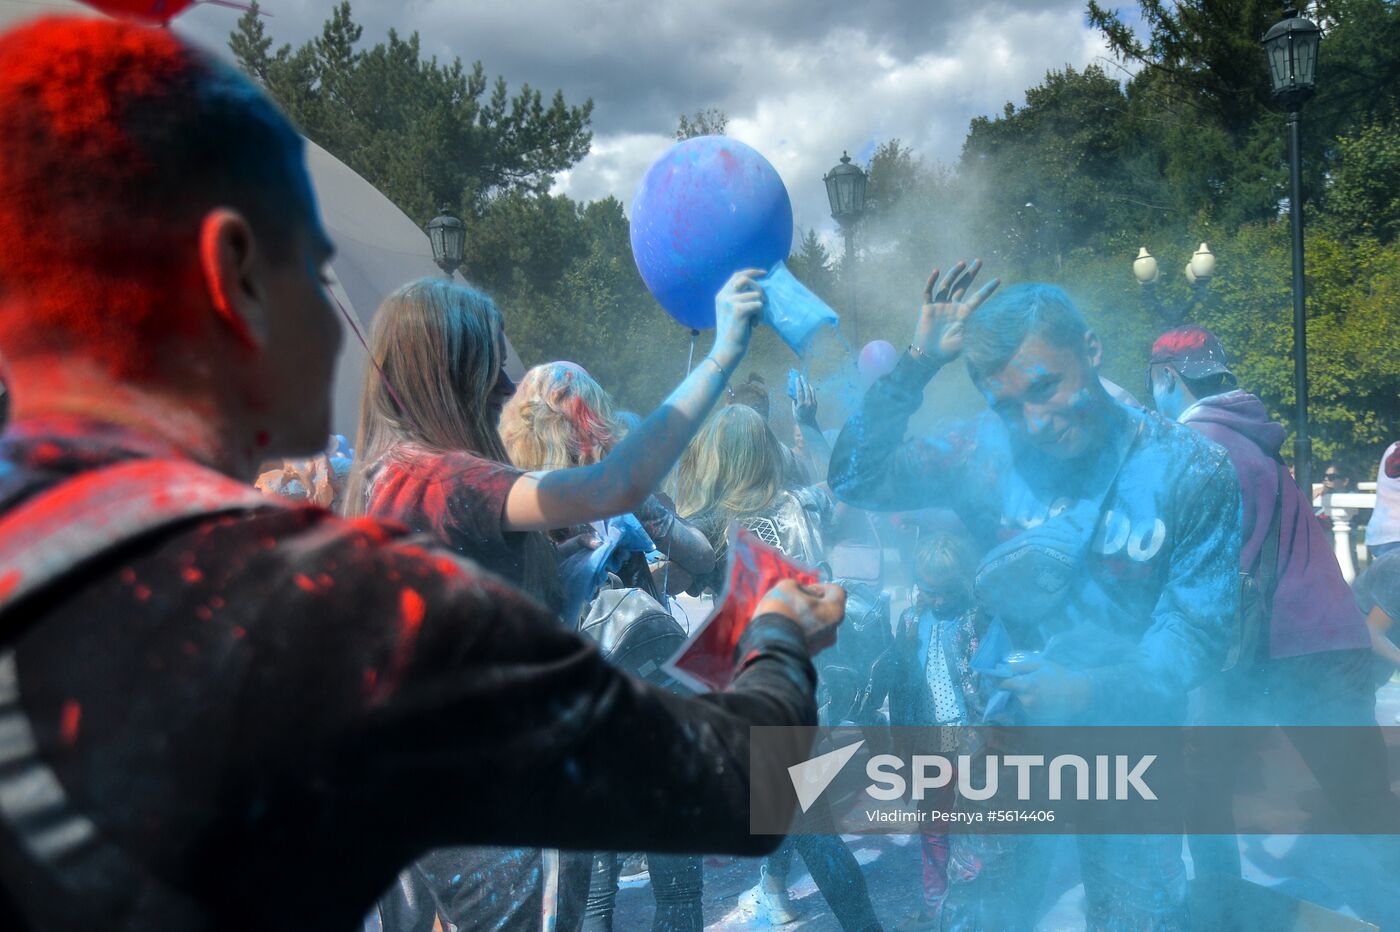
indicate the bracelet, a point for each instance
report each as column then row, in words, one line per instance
column 922, row 357
column 718, row 367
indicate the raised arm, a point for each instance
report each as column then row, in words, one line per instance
column 873, row 466
column 808, row 441
column 635, row 467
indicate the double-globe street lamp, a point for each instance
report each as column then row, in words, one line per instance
column 845, row 189
column 1291, row 47
column 448, row 236
column 1198, row 272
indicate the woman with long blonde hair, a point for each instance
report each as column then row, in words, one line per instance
column 732, row 472
column 431, row 457
column 560, row 417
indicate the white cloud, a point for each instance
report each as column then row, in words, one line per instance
column 801, row 80
column 801, row 104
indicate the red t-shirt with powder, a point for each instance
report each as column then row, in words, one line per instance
column 456, row 497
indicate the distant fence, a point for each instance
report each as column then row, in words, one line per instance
column 1342, row 508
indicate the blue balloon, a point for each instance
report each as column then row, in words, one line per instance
column 707, row 208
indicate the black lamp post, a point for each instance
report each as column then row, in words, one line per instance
column 448, row 236
column 845, row 189
column 1291, row 47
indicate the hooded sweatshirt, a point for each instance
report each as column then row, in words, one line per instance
column 1313, row 610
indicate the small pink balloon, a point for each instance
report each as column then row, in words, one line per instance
column 877, row 358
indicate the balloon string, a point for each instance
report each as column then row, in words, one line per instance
column 690, row 362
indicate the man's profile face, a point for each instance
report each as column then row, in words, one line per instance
column 1049, row 397
column 304, row 336
column 1166, row 393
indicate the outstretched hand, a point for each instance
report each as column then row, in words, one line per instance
column 818, row 609
column 939, row 334
column 737, row 309
column 804, row 405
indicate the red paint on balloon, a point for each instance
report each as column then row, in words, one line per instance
column 150, row 11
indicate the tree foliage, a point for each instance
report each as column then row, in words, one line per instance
column 425, row 133
column 710, row 121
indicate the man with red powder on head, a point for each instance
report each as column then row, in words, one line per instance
column 221, row 712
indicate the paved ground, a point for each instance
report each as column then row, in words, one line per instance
column 1331, row 872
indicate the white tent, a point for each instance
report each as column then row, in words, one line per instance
column 378, row 248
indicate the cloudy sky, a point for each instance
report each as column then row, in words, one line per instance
column 801, row 80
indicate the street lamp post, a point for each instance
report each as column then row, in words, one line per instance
column 1291, row 47
column 845, row 189
column 1198, row 272
column 448, row 236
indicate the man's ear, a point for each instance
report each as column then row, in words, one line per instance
column 1093, row 349
column 228, row 260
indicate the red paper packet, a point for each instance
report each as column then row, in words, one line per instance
column 706, row 662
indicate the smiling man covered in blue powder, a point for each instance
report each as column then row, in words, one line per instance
column 1112, row 549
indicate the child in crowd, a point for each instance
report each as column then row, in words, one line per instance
column 926, row 675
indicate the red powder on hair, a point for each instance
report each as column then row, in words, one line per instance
column 89, row 274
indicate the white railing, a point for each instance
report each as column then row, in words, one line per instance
column 1342, row 508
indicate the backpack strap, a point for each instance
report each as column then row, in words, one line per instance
column 1258, row 586
column 65, row 527
column 1267, row 570
column 43, row 541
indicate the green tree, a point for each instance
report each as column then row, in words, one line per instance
column 1056, row 174
column 711, row 121
column 423, row 132
column 1364, row 197
column 813, row 266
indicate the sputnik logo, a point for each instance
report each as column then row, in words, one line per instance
column 811, row 777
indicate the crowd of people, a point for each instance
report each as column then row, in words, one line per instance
column 419, row 675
